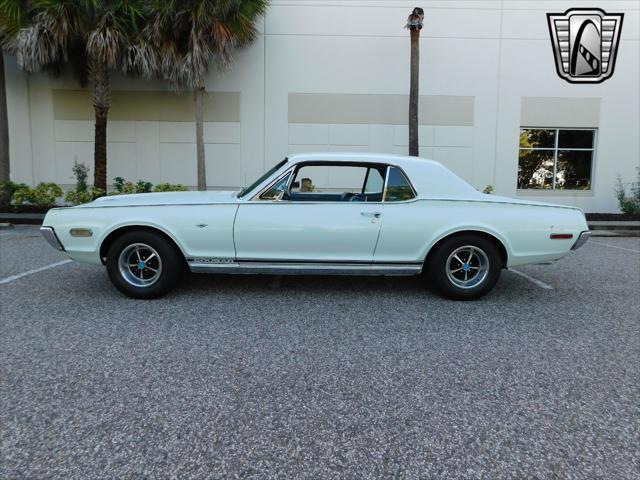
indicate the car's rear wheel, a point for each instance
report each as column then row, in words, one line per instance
column 464, row 267
column 143, row 264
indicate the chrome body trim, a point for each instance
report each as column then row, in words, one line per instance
column 52, row 239
column 582, row 239
column 256, row 197
column 306, row 268
column 91, row 207
column 266, row 202
column 386, row 183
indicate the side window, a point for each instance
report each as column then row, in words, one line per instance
column 398, row 188
column 278, row 190
column 328, row 183
column 375, row 182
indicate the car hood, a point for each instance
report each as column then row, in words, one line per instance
column 162, row 198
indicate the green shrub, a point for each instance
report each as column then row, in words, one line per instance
column 76, row 197
column 81, row 172
column 124, row 187
column 82, row 193
column 43, row 196
column 629, row 203
column 118, row 184
column 143, row 187
column 170, row 187
column 7, row 191
column 488, row 189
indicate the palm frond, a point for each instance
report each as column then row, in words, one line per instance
column 140, row 58
column 64, row 21
column 104, row 42
column 194, row 35
column 13, row 17
column 36, row 48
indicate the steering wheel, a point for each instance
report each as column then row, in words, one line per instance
column 358, row 197
column 346, row 196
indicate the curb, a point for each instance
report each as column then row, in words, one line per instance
column 617, row 225
column 615, row 233
column 22, row 218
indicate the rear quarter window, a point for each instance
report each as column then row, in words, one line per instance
column 398, row 188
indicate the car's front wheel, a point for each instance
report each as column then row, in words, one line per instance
column 464, row 267
column 142, row 264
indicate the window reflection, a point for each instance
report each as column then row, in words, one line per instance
column 555, row 159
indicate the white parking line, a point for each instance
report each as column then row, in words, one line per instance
column 615, row 246
column 35, row 270
column 535, row 281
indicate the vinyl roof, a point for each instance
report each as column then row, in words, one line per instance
column 430, row 179
column 359, row 157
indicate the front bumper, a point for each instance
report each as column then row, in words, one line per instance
column 582, row 239
column 52, row 239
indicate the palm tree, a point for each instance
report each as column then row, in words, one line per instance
column 93, row 37
column 190, row 36
column 414, row 24
column 5, row 170
column 12, row 17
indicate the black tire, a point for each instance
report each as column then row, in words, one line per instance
column 157, row 276
column 483, row 267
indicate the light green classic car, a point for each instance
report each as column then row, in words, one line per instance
column 326, row 214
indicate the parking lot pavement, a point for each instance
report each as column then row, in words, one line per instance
column 318, row 377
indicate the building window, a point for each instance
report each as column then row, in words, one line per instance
column 555, row 158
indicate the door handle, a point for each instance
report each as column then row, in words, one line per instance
column 371, row 214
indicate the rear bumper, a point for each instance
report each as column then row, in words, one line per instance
column 52, row 239
column 582, row 239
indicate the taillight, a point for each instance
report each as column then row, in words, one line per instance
column 561, row 236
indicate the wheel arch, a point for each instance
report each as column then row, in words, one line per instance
column 499, row 243
column 108, row 240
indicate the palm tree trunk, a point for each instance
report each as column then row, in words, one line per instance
column 5, row 167
column 101, row 99
column 414, row 93
column 202, row 173
column 100, row 149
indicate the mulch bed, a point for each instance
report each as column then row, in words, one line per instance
column 23, row 209
column 613, row 217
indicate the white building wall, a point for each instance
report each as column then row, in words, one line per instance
column 496, row 52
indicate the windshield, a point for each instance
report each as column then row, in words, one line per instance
column 246, row 190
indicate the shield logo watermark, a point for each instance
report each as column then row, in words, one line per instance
column 585, row 43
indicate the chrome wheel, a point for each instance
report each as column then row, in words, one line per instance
column 467, row 266
column 140, row 265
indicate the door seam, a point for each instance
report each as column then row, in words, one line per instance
column 375, row 247
column 233, row 233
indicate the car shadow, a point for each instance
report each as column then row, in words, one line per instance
column 193, row 286
column 301, row 283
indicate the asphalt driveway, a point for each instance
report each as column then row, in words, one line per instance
column 318, row 377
